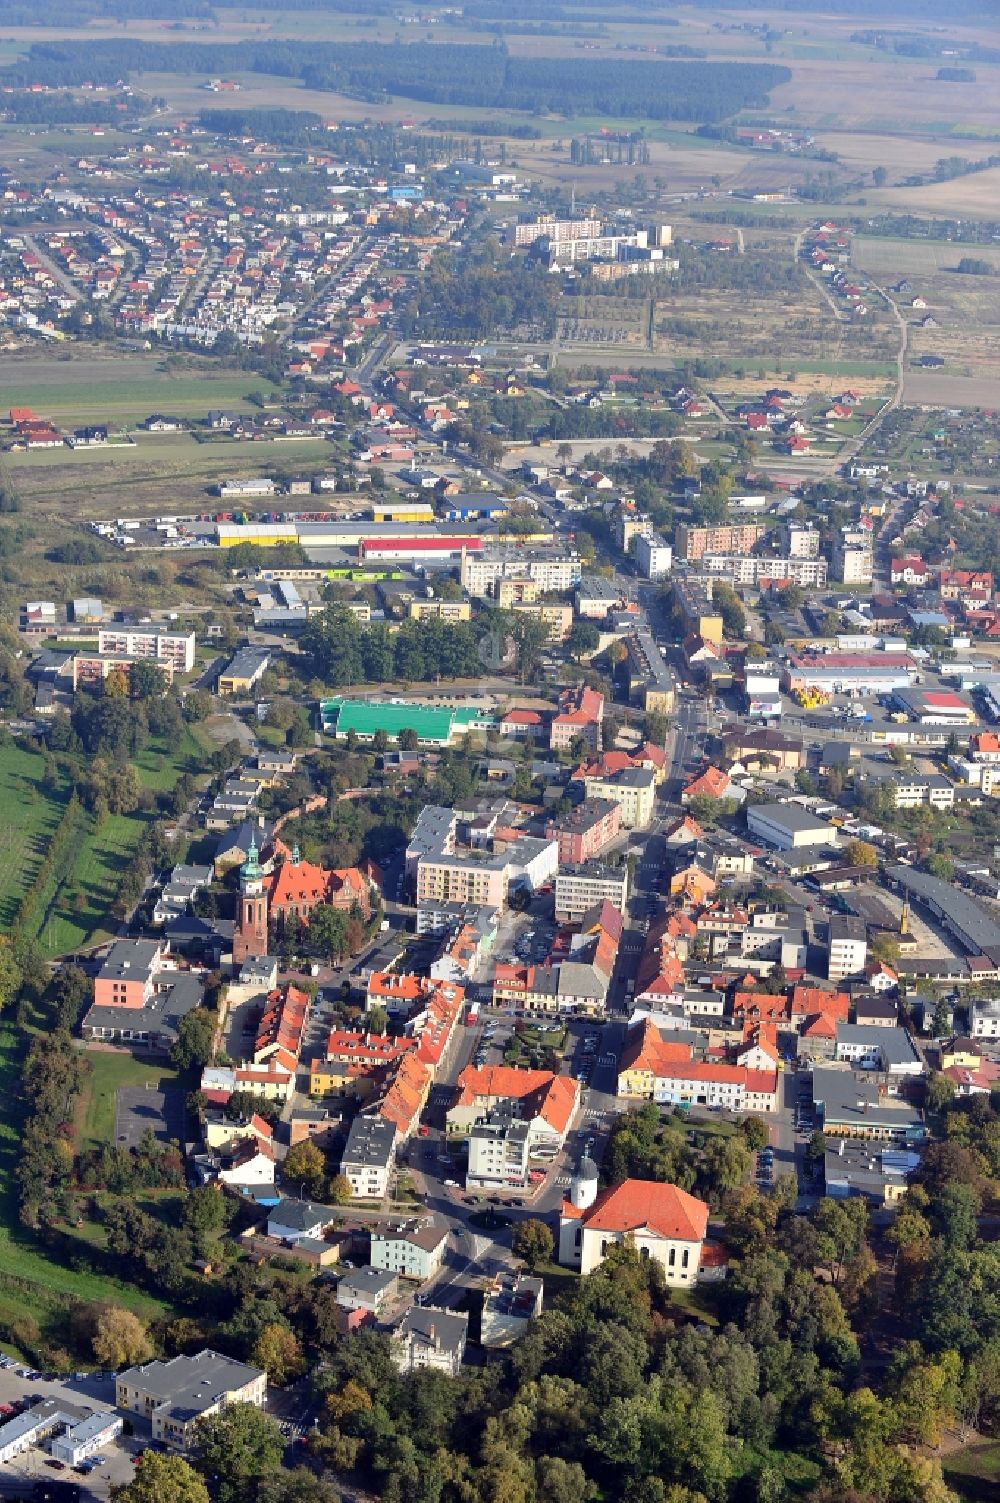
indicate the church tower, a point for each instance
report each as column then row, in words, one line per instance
column 250, row 936
column 582, row 1194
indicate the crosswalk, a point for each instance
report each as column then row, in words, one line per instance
column 563, row 1180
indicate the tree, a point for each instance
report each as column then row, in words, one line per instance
column 235, row 1447
column 339, row 1190
column 328, row 931
column 860, row 853
column 755, row 1133
column 146, row 680
column 940, row 1092
column 120, row 1339
column 305, row 1165
column 195, row 1041
column 297, row 1486
column 162, row 1479
column 278, row 1352
column 408, row 739
column 377, row 1019
column 10, row 972
column 533, row 1242
column 583, row 640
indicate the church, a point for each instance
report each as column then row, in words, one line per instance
column 659, row 1220
column 290, row 892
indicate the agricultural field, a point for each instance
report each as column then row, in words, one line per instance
column 893, row 256
column 81, row 386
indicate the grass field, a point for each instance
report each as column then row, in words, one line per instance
column 974, row 1473
column 96, row 1112
column 120, row 389
column 29, row 816
column 900, row 257
column 78, row 911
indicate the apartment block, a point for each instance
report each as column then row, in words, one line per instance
column 581, row 887
column 553, row 569
column 738, row 569
column 177, row 648
column 692, row 543
column 586, row 830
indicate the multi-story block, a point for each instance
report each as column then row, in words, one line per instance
column 177, row 648
column 586, row 830
column 580, row 887
column 692, row 543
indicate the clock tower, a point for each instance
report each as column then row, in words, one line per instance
column 250, row 937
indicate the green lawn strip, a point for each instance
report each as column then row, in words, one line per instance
column 30, row 816
column 974, row 1472
column 188, row 393
column 110, row 1071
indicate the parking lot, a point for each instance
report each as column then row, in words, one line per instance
column 88, row 1390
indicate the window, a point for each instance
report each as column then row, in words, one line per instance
column 672, row 1257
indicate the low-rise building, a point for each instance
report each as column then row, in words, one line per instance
column 858, row 1106
column 369, row 1156
column 367, row 1289
column 412, row 1249
column 889, row 1050
column 174, row 1396
column 427, row 1337
column 661, row 1221
column 244, row 670
column 511, row 1304
column 788, row 826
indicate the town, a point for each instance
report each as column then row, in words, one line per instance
column 500, row 760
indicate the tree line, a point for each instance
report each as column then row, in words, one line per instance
column 441, row 72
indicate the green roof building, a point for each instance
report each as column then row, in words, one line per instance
column 435, row 725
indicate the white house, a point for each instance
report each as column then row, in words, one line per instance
column 661, row 1221
column 412, row 1249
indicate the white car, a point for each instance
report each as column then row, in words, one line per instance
column 451, row 1184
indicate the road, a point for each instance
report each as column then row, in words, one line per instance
column 53, row 268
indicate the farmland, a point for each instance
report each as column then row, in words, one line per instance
column 121, row 390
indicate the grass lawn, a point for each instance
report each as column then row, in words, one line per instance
column 123, row 391
column 96, row 1109
column 974, row 1472
column 76, row 915
column 29, row 818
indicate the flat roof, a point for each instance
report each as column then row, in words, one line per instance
column 431, row 722
column 960, row 911
column 791, row 817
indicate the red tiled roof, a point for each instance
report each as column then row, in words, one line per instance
column 639, row 1203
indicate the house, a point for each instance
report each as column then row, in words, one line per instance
column 293, row 1220
column 512, row 1302
column 367, row 1289
column 661, row 1221
column 175, row 1396
column 888, row 1050
column 428, row 1337
column 412, row 1249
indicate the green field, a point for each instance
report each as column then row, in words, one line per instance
column 975, row 1472
column 96, row 1113
column 119, row 389
column 78, row 910
column 30, row 814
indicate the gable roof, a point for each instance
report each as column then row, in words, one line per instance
column 639, row 1204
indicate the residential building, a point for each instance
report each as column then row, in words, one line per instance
column 177, row 648
column 367, row 1289
column 692, row 603
column 651, row 682
column 499, row 1151
column 853, row 557
column 552, row 569
column 368, row 1156
column 580, row 886
column 692, row 542
column 555, row 616
column 585, row 831
column 175, row 1396
column 427, row 1337
column 411, row 1249
column 848, row 946
column 984, row 1018
column 512, row 1302
column 580, row 713
column 788, row 826
column 443, row 610
column 295, row 1221
column 762, row 569
column 653, row 556
column 127, row 971
column 661, row 1221
column 633, row 789
column 476, row 859
column 545, row 1102
column 596, row 597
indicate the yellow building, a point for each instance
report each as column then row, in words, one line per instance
column 443, row 610
column 556, row 617
column 511, row 592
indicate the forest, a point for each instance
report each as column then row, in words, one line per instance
column 440, row 73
